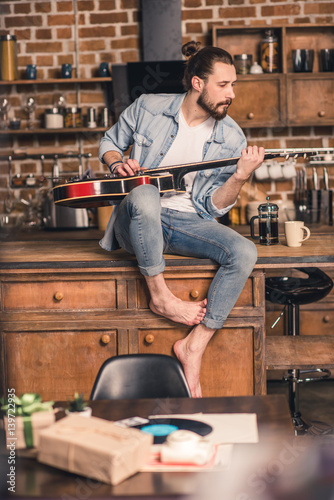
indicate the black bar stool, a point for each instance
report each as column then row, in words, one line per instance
column 292, row 292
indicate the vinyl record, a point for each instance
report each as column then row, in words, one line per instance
column 161, row 427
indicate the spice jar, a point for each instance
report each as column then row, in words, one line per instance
column 242, row 63
column 8, row 57
column 73, row 117
column 54, row 118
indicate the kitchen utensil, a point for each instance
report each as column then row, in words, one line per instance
column 105, row 117
column 31, row 71
column 4, row 108
column 269, row 52
column 243, row 63
column 54, row 118
column 302, row 60
column 313, row 200
column 104, row 69
column 8, row 58
column 91, row 118
column 268, row 224
column 327, row 59
column 296, row 233
column 30, row 108
column 326, row 208
column 56, row 217
column 66, row 70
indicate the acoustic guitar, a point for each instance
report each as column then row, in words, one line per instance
column 110, row 190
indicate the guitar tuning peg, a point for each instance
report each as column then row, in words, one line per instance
column 304, row 156
column 296, row 156
column 287, row 156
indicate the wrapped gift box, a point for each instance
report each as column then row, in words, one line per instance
column 24, row 433
column 94, row 448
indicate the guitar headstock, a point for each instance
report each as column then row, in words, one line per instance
column 291, row 153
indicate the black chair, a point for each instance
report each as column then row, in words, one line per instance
column 136, row 376
column 291, row 292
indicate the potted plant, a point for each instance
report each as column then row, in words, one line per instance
column 78, row 405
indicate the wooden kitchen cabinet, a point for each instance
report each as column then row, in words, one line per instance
column 59, row 322
column 54, row 364
column 285, row 97
column 311, row 99
column 246, row 109
column 231, row 362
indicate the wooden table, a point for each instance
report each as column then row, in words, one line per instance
column 40, row 481
column 81, row 249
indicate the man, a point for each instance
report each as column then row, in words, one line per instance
column 172, row 130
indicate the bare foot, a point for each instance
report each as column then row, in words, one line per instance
column 191, row 363
column 187, row 313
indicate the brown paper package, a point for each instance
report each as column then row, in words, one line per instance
column 94, row 448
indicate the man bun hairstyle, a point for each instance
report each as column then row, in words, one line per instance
column 200, row 61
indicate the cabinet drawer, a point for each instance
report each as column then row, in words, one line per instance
column 62, row 295
column 194, row 289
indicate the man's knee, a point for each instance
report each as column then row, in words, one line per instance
column 248, row 254
column 144, row 199
column 143, row 194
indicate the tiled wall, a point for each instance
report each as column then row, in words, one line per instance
column 49, row 32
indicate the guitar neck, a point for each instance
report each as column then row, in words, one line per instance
column 179, row 171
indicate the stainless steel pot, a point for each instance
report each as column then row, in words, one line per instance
column 56, row 217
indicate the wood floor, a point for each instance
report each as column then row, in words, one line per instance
column 316, row 399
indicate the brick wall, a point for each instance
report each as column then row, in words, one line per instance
column 48, row 33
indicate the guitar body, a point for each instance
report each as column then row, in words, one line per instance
column 110, row 191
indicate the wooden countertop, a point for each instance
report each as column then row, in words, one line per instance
column 80, row 249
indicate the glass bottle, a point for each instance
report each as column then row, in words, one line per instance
column 269, row 52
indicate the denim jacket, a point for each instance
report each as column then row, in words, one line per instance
column 150, row 125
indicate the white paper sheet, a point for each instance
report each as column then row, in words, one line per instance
column 228, row 428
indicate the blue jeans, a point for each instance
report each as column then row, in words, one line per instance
column 146, row 230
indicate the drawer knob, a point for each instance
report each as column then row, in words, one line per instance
column 149, row 339
column 250, row 116
column 58, row 296
column 321, row 114
column 105, row 339
column 326, row 319
column 194, row 293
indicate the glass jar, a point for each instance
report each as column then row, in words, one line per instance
column 269, row 52
column 242, row 63
column 73, row 117
column 54, row 118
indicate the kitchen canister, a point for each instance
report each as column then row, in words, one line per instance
column 54, row 118
column 269, row 52
column 8, row 58
column 73, row 117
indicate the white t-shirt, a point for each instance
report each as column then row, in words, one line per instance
column 187, row 148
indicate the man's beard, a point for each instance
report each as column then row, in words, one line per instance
column 213, row 109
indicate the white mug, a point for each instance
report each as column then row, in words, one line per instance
column 294, row 233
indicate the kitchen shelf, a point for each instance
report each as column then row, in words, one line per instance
column 283, row 98
column 57, row 80
column 39, row 131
